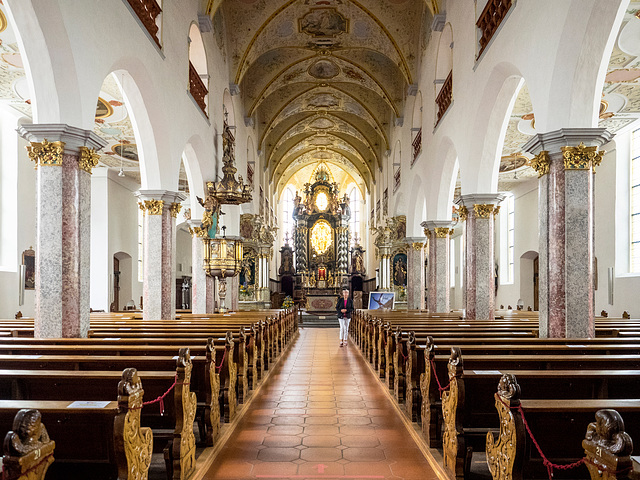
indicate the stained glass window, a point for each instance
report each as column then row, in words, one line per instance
column 321, row 237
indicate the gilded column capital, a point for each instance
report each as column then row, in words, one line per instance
column 496, row 210
column 151, row 207
column 540, row 163
column 175, row 209
column 417, row 246
column 463, row 213
column 443, row 232
column 483, row 210
column 427, row 233
column 88, row 159
column 581, row 157
column 46, row 153
column 198, row 232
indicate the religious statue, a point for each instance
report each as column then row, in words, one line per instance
column 211, row 213
column 298, row 206
column 246, row 271
column 330, row 279
column 312, row 280
column 357, row 262
column 400, row 274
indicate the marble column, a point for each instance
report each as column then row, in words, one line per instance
column 64, row 157
column 415, row 273
column 301, row 234
column 565, row 161
column 201, row 287
column 478, row 211
column 160, row 207
column 439, row 282
column 263, row 294
column 343, row 250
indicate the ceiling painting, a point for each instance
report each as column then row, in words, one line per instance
column 305, row 67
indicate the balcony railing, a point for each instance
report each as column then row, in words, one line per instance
column 197, row 88
column 490, row 19
column 443, row 100
column 417, row 146
column 147, row 11
column 396, row 180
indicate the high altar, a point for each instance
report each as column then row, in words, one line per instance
column 321, row 240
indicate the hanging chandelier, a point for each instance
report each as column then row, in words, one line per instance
column 229, row 191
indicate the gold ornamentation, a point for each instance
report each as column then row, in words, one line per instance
column 417, row 246
column 88, row 159
column 175, row 209
column 453, row 442
column 321, row 236
column 442, row 232
column 483, row 210
column 430, row 396
column 504, row 454
column 463, row 213
column 581, row 157
column 541, row 162
column 183, row 447
column 496, row 210
column 198, row 232
column 153, row 207
column 212, row 395
column 133, row 444
column 427, row 233
column 3, row 22
column 46, row 153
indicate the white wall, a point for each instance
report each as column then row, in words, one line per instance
column 183, row 252
column 18, row 217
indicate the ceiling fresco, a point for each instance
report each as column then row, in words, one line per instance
column 330, row 71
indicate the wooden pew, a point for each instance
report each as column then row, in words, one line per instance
column 607, row 444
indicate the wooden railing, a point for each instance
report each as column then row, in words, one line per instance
column 443, row 100
column 490, row 19
column 197, row 88
column 396, row 180
column 417, row 146
column 147, row 11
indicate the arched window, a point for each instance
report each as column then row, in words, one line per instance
column 635, row 203
column 287, row 212
column 354, row 222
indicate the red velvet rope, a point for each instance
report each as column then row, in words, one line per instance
column 26, row 472
column 545, row 461
column 219, row 367
column 435, row 375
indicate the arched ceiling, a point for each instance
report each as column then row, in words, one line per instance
column 323, row 76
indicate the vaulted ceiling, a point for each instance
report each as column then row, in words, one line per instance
column 323, row 79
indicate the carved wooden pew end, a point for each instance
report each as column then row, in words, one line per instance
column 607, row 447
column 28, row 450
column 180, row 452
column 133, row 444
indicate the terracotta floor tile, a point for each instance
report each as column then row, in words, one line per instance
column 274, row 468
column 321, row 429
column 318, row 454
column 278, row 454
column 360, row 441
column 282, row 441
column 328, row 441
column 285, row 430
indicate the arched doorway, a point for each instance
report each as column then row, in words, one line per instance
column 529, row 284
column 122, row 279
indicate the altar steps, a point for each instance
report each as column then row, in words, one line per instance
column 310, row 320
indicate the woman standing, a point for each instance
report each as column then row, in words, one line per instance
column 344, row 307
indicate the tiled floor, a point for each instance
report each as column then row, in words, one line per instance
column 321, row 415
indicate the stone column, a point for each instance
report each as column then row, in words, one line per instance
column 479, row 286
column 262, row 264
column 160, row 207
column 64, row 157
column 415, row 273
column 201, row 288
column 565, row 161
column 439, row 233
